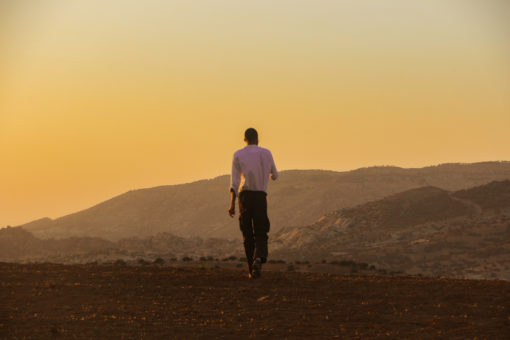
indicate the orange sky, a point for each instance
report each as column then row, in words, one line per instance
column 101, row 97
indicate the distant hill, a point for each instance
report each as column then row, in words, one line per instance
column 297, row 198
column 19, row 245
column 426, row 230
column 491, row 196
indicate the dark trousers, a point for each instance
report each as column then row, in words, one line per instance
column 254, row 224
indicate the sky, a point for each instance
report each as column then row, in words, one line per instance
column 98, row 97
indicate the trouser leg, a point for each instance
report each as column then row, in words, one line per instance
column 245, row 224
column 248, row 238
column 254, row 224
column 261, row 227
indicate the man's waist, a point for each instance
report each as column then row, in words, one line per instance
column 252, row 192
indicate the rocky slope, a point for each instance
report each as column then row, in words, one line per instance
column 421, row 231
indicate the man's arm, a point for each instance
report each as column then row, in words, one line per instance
column 235, row 180
column 274, row 172
column 232, row 209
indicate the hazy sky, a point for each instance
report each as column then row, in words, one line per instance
column 101, row 97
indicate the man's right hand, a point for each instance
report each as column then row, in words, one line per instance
column 232, row 209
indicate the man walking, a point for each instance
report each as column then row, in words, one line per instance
column 251, row 168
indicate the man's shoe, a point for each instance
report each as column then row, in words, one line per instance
column 256, row 268
column 250, row 271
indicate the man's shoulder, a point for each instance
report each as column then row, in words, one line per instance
column 250, row 150
column 265, row 151
column 237, row 152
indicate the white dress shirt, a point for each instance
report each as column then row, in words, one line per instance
column 251, row 168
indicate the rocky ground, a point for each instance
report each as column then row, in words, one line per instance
column 47, row 301
column 428, row 231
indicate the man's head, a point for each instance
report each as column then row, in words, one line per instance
column 251, row 136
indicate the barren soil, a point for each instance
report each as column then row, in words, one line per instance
column 39, row 301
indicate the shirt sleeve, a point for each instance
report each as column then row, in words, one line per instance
column 235, row 177
column 274, row 172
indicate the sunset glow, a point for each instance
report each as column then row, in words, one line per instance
column 101, row 97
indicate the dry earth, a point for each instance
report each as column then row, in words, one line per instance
column 46, row 301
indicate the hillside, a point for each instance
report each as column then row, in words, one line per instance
column 428, row 231
column 19, row 245
column 422, row 231
column 298, row 198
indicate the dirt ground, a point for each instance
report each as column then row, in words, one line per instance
column 47, row 301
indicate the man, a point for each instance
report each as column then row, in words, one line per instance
column 251, row 169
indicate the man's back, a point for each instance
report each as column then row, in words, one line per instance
column 251, row 168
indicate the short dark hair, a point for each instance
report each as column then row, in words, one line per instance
column 251, row 135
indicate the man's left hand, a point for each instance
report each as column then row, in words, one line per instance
column 232, row 211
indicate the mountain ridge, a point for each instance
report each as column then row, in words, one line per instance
column 425, row 230
column 299, row 197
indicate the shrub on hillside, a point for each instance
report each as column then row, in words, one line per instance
column 230, row 258
column 276, row 261
column 142, row 262
column 120, row 262
column 159, row 260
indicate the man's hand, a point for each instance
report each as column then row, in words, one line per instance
column 232, row 209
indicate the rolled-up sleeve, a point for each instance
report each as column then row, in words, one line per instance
column 235, row 177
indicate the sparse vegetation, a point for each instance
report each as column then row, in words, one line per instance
column 276, row 261
column 230, row 258
column 120, row 262
column 159, row 261
column 302, row 262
